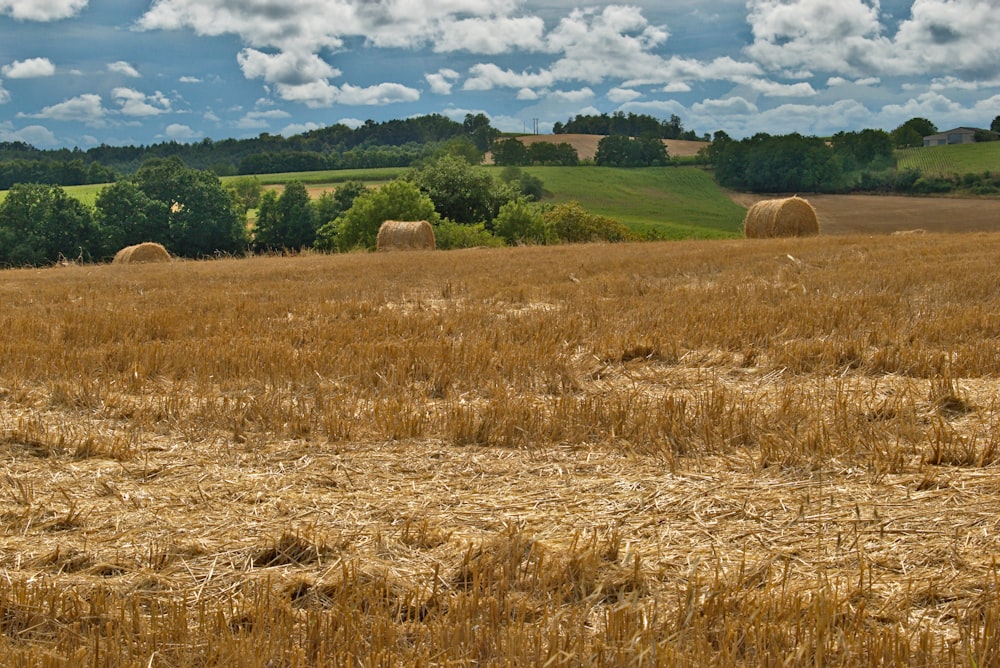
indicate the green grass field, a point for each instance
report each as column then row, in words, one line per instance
column 678, row 202
column 329, row 177
column 948, row 160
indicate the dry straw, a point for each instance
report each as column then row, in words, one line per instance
column 789, row 217
column 405, row 235
column 141, row 253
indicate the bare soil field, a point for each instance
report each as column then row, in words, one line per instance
column 779, row 452
column 586, row 145
column 869, row 214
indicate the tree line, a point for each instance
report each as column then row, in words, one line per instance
column 394, row 143
column 629, row 125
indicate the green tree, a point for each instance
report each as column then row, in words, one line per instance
column 912, row 132
column 510, row 152
column 520, row 221
column 461, row 192
column 527, row 184
column 995, row 125
column 41, row 223
column 198, row 211
column 246, row 192
column 478, row 129
column 358, row 226
column 288, row 221
column 332, row 204
column 127, row 216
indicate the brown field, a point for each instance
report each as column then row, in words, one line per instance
column 586, row 145
column 754, row 453
column 871, row 214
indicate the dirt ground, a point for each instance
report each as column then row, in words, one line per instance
column 586, row 145
column 871, row 214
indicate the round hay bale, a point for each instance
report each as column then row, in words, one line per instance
column 142, row 253
column 405, row 235
column 789, row 217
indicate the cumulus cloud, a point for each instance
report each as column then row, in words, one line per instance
column 621, row 95
column 848, row 37
column 122, row 67
column 256, row 120
column 41, row 10
column 29, row 69
column 487, row 76
column 189, row 80
column 4, row 94
column 181, row 133
column 285, row 68
column 575, row 96
column 492, row 35
column 137, row 103
column 86, row 108
column 441, row 82
column 293, row 129
column 36, row 135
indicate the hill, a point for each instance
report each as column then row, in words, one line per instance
column 586, row 145
column 951, row 160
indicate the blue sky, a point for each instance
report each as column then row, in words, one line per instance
column 86, row 72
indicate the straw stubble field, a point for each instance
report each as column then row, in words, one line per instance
column 779, row 452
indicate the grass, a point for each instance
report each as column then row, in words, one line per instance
column 678, row 202
column 773, row 452
column 949, row 160
column 329, row 177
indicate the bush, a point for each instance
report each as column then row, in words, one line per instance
column 521, row 222
column 358, row 227
column 41, row 223
column 570, row 223
column 450, row 235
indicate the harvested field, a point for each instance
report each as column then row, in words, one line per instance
column 870, row 214
column 724, row 453
column 586, row 145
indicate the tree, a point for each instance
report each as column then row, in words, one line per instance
column 520, row 221
column 198, row 212
column 510, row 152
column 912, row 132
column 41, row 223
column 127, row 216
column 246, row 192
column 289, row 222
column 995, row 125
column 622, row 151
column 330, row 205
column 358, row 227
column 478, row 129
column 462, row 192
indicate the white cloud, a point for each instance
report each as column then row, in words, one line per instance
column 441, row 82
column 36, row 135
column 285, row 68
column 298, row 128
column 384, row 93
column 41, row 10
column 848, row 38
column 487, row 76
column 189, row 80
column 181, row 133
column 29, row 69
column 621, row 95
column 677, row 87
column 575, row 96
column 83, row 108
column 137, row 103
column 528, row 94
column 769, row 88
column 122, row 67
column 492, row 35
column 351, row 122
column 260, row 119
column 4, row 94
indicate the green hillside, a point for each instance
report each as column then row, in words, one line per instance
column 677, row 202
column 948, row 160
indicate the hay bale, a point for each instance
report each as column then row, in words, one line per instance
column 141, row 253
column 789, row 217
column 405, row 235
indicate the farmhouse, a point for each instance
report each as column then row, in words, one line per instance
column 956, row 136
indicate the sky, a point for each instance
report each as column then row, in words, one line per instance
column 79, row 73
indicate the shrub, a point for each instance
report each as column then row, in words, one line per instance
column 451, row 235
column 521, row 222
column 358, row 226
column 570, row 223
